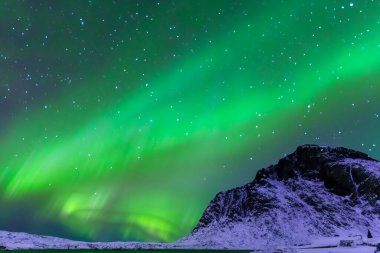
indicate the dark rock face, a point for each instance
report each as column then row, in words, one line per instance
column 324, row 190
column 314, row 162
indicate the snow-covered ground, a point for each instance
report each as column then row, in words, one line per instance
column 17, row 241
column 331, row 245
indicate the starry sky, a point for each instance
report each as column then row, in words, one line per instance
column 121, row 120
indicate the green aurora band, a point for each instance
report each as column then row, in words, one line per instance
column 147, row 109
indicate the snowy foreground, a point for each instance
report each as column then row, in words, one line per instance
column 24, row 241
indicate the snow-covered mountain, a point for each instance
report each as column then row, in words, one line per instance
column 316, row 192
column 314, row 197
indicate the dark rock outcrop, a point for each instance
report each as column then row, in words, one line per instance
column 342, row 170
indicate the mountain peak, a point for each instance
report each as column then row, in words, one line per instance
column 314, row 192
column 311, row 161
column 310, row 150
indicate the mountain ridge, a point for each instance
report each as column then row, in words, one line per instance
column 314, row 192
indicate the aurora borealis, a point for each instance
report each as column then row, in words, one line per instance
column 120, row 120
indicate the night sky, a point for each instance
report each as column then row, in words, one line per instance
column 121, row 120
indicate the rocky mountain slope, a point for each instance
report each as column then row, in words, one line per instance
column 316, row 192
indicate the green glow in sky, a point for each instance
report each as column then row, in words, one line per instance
column 120, row 120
